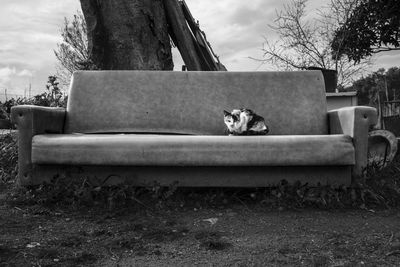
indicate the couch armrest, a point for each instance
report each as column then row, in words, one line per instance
column 356, row 122
column 31, row 120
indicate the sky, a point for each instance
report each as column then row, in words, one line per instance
column 30, row 31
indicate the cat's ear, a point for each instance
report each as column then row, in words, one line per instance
column 226, row 113
column 248, row 111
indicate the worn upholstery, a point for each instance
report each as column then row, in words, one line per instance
column 193, row 102
column 355, row 122
column 32, row 120
column 173, row 126
column 189, row 150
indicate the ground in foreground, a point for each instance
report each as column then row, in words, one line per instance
column 236, row 234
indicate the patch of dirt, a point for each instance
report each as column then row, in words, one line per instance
column 211, row 240
column 236, row 234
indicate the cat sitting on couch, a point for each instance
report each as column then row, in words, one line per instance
column 244, row 122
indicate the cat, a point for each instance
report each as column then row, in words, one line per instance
column 244, row 122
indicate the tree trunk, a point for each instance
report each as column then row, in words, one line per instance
column 127, row 34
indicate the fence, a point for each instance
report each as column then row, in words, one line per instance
column 391, row 116
column 391, row 108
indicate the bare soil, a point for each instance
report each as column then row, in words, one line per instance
column 235, row 234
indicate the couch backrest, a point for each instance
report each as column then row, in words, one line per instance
column 193, row 102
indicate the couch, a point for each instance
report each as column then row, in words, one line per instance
column 146, row 127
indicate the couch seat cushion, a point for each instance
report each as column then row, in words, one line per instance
column 192, row 150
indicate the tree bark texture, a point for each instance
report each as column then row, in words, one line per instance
column 128, row 34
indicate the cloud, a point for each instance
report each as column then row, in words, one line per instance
column 385, row 60
column 6, row 75
column 236, row 28
column 30, row 30
column 14, row 80
column 25, row 72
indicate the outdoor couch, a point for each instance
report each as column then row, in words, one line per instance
column 146, row 127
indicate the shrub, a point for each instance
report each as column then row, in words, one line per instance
column 4, row 115
column 52, row 97
column 8, row 157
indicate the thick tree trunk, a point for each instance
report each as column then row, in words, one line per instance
column 128, row 34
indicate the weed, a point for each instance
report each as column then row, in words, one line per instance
column 8, row 158
column 381, row 189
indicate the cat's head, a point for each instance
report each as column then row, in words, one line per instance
column 232, row 120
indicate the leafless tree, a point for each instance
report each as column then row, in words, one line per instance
column 304, row 42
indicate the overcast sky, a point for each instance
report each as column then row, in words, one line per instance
column 30, row 30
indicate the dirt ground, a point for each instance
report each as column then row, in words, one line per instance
column 235, row 234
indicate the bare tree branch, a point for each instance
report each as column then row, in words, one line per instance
column 305, row 43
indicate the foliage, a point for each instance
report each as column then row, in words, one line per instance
column 73, row 53
column 376, row 83
column 381, row 190
column 384, row 183
column 305, row 42
column 52, row 97
column 4, row 115
column 78, row 192
column 373, row 27
column 5, row 108
column 69, row 192
column 8, row 157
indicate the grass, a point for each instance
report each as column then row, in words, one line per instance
column 8, row 158
column 381, row 189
